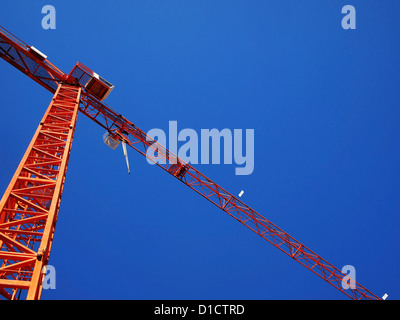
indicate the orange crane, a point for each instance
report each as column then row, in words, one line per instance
column 30, row 205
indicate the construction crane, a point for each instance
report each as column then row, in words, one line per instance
column 30, row 205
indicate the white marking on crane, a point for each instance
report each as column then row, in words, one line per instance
column 126, row 155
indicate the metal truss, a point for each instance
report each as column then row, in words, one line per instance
column 46, row 74
column 30, row 205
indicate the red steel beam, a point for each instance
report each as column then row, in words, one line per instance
column 122, row 129
column 30, row 205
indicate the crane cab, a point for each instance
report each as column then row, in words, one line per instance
column 95, row 85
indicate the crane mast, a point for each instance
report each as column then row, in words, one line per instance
column 30, row 205
column 28, row 210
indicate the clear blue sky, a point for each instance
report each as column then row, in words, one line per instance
column 323, row 102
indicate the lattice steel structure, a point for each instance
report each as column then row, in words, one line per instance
column 30, row 205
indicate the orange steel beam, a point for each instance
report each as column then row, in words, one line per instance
column 30, row 205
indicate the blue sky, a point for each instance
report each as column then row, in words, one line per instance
column 323, row 102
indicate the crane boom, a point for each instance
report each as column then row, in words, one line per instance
column 37, row 67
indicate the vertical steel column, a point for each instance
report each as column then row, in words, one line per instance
column 30, row 205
